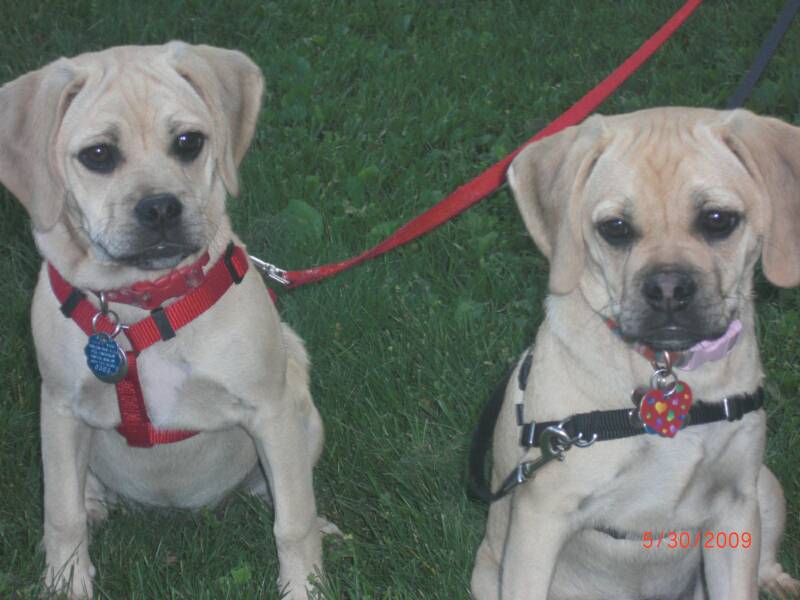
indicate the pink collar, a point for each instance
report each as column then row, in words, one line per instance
column 710, row 350
column 696, row 356
column 152, row 294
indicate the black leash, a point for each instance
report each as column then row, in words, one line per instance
column 766, row 51
column 600, row 425
column 482, row 440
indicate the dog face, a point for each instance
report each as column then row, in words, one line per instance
column 658, row 217
column 141, row 145
column 139, row 174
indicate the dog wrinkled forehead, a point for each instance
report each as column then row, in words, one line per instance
column 130, row 77
column 128, row 97
column 664, row 138
column 666, row 164
column 224, row 86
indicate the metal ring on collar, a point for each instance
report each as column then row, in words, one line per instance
column 103, row 302
column 663, row 360
column 111, row 316
column 664, row 380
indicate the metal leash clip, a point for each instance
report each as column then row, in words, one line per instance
column 270, row 271
column 553, row 443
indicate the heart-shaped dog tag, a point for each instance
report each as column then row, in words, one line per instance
column 665, row 414
column 105, row 358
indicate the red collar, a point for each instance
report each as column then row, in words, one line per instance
column 152, row 294
column 161, row 325
column 652, row 356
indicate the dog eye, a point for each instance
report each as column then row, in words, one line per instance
column 101, row 158
column 717, row 224
column 616, row 232
column 187, row 146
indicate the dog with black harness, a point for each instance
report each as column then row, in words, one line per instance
column 633, row 431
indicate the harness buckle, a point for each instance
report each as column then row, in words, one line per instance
column 528, row 434
column 634, row 420
column 733, row 411
column 236, row 276
column 165, row 329
column 270, row 271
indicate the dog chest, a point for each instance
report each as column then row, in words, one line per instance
column 678, row 484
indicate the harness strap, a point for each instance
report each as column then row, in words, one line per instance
column 621, row 423
column 135, row 426
column 555, row 438
column 161, row 325
column 180, row 313
column 226, row 272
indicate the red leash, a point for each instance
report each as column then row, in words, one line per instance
column 490, row 180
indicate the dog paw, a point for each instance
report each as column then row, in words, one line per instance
column 73, row 579
column 779, row 584
column 328, row 528
column 96, row 500
column 299, row 590
column 96, row 511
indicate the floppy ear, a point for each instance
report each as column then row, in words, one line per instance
column 231, row 85
column 31, row 110
column 546, row 179
column 770, row 151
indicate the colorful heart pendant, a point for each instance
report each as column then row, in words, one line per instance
column 665, row 414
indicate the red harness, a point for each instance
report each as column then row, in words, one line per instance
column 161, row 325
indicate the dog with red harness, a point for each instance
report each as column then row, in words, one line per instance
column 168, row 378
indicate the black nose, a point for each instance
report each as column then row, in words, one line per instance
column 669, row 290
column 162, row 211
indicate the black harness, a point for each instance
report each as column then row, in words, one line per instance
column 555, row 438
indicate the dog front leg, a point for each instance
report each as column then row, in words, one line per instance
column 733, row 572
column 772, row 508
column 65, row 452
column 538, row 529
column 281, row 441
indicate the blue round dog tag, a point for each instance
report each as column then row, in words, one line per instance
column 105, row 358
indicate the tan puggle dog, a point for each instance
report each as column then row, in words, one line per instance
column 123, row 158
column 655, row 219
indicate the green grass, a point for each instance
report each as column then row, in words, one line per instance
column 375, row 110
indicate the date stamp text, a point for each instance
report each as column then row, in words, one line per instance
column 707, row 540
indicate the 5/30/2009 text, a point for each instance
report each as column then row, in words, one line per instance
column 683, row 540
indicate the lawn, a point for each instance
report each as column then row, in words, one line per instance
column 373, row 112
